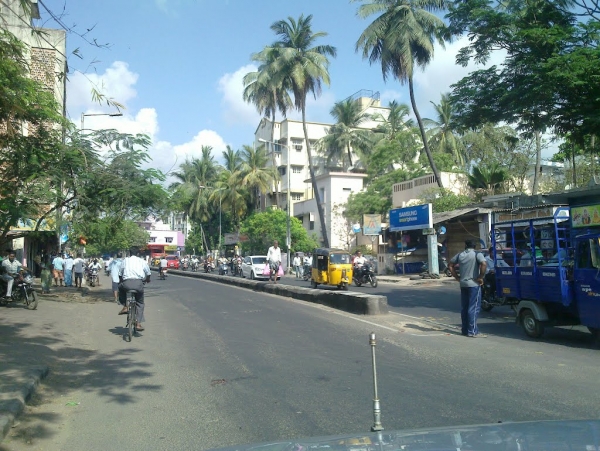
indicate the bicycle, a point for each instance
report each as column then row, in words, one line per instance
column 131, row 313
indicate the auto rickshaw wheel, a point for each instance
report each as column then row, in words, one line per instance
column 531, row 325
column 313, row 284
column 344, row 286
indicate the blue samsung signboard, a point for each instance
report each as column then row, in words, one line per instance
column 411, row 218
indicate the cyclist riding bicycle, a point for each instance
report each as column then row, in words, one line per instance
column 134, row 273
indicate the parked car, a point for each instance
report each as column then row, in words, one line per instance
column 253, row 265
column 173, row 261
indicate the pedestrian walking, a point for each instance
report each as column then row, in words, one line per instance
column 114, row 269
column 472, row 271
column 58, row 270
column 69, row 271
column 78, row 265
column 274, row 260
column 298, row 266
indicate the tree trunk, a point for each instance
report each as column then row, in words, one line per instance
column 349, row 157
column 422, row 129
column 573, row 160
column 313, row 179
column 538, row 162
column 277, row 197
column 593, row 154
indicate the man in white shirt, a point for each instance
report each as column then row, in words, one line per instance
column 359, row 262
column 164, row 263
column 10, row 268
column 298, row 266
column 115, row 268
column 78, row 265
column 274, row 259
column 134, row 272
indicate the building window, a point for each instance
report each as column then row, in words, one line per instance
column 169, row 239
column 311, row 225
column 296, row 196
column 297, row 169
column 347, row 189
column 282, row 170
column 322, row 195
column 152, row 239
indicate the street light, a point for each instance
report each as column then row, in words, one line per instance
column 83, row 115
column 289, row 210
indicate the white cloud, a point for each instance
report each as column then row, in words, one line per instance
column 117, row 82
column 390, row 94
column 235, row 110
column 443, row 72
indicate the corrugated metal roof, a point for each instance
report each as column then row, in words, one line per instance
column 469, row 211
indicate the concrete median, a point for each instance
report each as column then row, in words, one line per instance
column 353, row 302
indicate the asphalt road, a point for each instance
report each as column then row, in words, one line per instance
column 219, row 365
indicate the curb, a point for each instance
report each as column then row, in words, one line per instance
column 12, row 408
column 360, row 303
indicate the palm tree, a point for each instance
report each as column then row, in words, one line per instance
column 344, row 135
column 400, row 38
column 303, row 66
column 266, row 91
column 233, row 159
column 230, row 194
column 490, row 179
column 254, row 173
column 396, row 121
column 192, row 179
column 442, row 136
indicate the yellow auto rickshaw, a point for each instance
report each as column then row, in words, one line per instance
column 331, row 267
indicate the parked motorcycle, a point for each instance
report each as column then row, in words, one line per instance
column 364, row 275
column 306, row 273
column 22, row 290
column 443, row 267
column 489, row 299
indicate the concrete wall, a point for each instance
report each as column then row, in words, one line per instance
column 336, row 188
column 408, row 192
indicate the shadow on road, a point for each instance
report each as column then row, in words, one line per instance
column 26, row 345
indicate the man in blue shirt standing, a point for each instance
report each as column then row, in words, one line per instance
column 58, row 270
column 472, row 271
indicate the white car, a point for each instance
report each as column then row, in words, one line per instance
column 253, row 265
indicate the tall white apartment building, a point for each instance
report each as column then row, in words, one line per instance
column 286, row 147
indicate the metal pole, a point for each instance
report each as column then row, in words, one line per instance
column 289, row 210
column 376, row 407
column 82, row 116
column 220, row 198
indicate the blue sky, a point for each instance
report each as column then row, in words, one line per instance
column 177, row 66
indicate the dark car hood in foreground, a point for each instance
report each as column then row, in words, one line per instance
column 581, row 435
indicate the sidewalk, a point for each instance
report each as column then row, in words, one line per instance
column 30, row 343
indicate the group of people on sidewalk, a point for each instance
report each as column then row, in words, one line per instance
column 66, row 269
